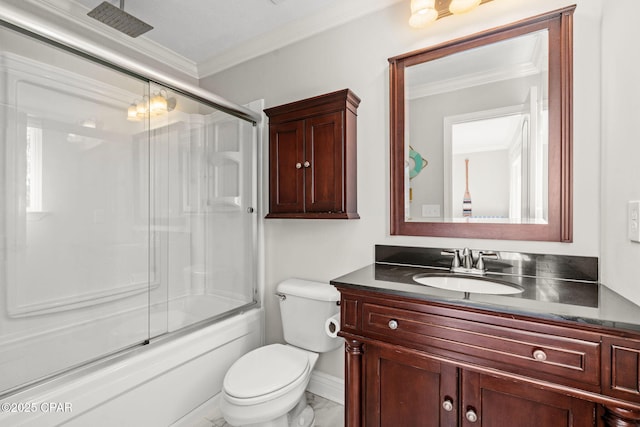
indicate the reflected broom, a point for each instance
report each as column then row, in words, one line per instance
column 466, row 200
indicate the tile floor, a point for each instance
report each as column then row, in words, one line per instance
column 327, row 412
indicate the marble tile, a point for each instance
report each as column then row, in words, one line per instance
column 327, row 413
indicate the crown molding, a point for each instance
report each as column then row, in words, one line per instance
column 343, row 12
column 472, row 80
column 74, row 15
column 71, row 14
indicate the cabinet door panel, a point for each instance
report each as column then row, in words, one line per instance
column 406, row 389
column 286, row 150
column 324, row 151
column 621, row 368
column 498, row 403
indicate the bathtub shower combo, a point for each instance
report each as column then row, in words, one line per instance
column 127, row 217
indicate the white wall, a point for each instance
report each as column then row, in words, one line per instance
column 489, row 181
column 620, row 145
column 355, row 55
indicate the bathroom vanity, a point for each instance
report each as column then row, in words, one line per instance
column 560, row 353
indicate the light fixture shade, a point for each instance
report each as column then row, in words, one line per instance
column 423, row 13
column 421, row 6
column 142, row 107
column 462, row 6
column 158, row 105
column 421, row 20
column 132, row 113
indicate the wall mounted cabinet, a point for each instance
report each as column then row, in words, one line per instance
column 312, row 157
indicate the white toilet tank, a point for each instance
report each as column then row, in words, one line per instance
column 305, row 307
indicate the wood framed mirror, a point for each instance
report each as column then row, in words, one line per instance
column 481, row 134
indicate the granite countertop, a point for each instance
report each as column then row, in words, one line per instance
column 585, row 302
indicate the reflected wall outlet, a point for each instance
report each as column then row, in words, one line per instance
column 634, row 221
column 431, row 211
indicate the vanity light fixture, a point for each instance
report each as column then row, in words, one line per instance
column 463, row 6
column 132, row 113
column 159, row 104
column 424, row 12
column 142, row 107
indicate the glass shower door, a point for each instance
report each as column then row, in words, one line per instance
column 126, row 211
column 204, row 186
column 74, row 213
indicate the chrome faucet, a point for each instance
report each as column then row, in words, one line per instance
column 463, row 263
column 467, row 259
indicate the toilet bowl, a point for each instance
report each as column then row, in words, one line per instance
column 266, row 387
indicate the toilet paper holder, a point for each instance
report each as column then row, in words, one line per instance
column 332, row 325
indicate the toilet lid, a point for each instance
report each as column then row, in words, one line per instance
column 265, row 371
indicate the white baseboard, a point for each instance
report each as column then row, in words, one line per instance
column 327, row 386
column 321, row 384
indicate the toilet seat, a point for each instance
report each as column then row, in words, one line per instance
column 265, row 374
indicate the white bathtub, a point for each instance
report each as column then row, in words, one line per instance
column 154, row 385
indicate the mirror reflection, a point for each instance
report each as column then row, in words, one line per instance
column 481, row 134
column 476, row 141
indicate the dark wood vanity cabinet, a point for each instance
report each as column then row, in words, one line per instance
column 312, row 157
column 491, row 401
column 406, row 388
column 411, row 362
column 402, row 388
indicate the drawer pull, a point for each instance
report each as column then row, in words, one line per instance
column 540, row 355
column 471, row 415
column 298, row 165
column 393, row 324
column 448, row 405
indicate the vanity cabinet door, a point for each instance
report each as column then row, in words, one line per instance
column 403, row 388
column 493, row 402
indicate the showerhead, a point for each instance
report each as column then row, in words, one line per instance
column 117, row 18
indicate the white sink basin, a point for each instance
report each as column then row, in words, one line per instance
column 467, row 284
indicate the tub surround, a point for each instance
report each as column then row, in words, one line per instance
column 474, row 357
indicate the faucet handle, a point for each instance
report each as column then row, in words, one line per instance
column 489, row 254
column 456, row 256
column 481, row 255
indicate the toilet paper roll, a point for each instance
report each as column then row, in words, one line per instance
column 332, row 325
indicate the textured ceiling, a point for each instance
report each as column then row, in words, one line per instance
column 201, row 29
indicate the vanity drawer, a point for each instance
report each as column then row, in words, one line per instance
column 557, row 356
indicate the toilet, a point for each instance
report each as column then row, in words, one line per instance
column 266, row 387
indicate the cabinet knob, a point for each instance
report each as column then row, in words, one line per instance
column 298, row 165
column 540, row 355
column 471, row 415
column 393, row 324
column 448, row 405
column 307, row 164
